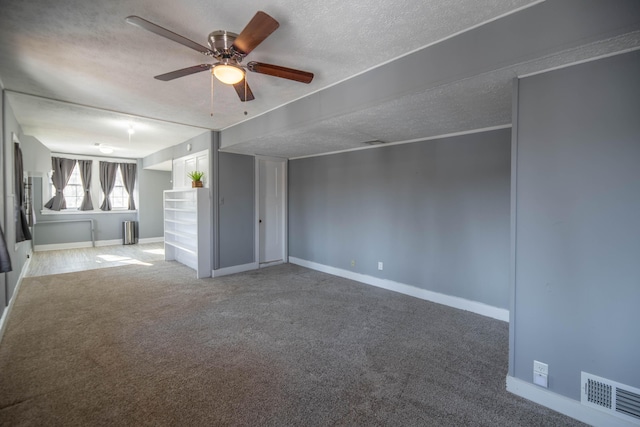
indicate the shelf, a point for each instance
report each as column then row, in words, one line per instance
column 181, row 246
column 181, row 222
column 180, row 210
column 187, row 228
column 181, row 234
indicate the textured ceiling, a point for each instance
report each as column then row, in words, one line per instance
column 83, row 54
column 479, row 102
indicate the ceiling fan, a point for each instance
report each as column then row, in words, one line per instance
column 229, row 49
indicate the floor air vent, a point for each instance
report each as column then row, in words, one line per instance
column 617, row 399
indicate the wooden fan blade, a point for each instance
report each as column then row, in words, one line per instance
column 258, row 29
column 240, row 88
column 278, row 71
column 157, row 29
column 183, row 72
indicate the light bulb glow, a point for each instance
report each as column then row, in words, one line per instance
column 228, row 74
column 105, row 149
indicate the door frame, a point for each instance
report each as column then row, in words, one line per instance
column 285, row 211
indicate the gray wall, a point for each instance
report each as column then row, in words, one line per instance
column 236, row 198
column 36, row 157
column 577, row 211
column 435, row 212
column 151, row 185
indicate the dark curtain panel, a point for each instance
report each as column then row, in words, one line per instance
column 62, row 169
column 85, row 176
column 22, row 225
column 129, row 180
column 107, row 181
column 5, row 259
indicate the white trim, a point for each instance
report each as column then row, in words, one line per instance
column 271, row 263
column 57, row 246
column 151, row 240
column 76, row 245
column 515, row 92
column 256, row 210
column 112, row 242
column 408, row 141
column 564, row 405
column 285, row 207
column 450, row 36
column 45, row 212
column 7, row 311
column 448, row 300
column 95, row 157
column 582, row 61
column 234, row 269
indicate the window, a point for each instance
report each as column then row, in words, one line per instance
column 119, row 196
column 73, row 192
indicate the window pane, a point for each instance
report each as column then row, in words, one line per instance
column 73, row 191
column 119, row 196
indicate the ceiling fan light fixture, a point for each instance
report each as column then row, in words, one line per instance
column 228, row 74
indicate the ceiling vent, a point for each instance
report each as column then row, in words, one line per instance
column 609, row 396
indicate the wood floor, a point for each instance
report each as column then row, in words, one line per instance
column 69, row 260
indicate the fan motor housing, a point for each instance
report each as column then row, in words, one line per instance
column 221, row 43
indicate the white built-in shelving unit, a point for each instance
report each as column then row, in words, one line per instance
column 187, row 229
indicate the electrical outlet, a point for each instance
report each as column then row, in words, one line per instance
column 541, row 368
column 353, row 263
column 379, row 265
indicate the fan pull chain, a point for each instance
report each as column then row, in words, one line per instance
column 245, row 92
column 212, row 94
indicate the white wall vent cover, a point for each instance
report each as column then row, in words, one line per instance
column 617, row 399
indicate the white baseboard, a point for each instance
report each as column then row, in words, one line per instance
column 234, row 269
column 271, row 263
column 564, row 405
column 451, row 301
column 151, row 240
column 112, row 242
column 5, row 315
column 57, row 246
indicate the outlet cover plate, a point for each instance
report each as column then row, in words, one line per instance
column 541, row 368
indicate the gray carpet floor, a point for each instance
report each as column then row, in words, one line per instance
column 282, row 346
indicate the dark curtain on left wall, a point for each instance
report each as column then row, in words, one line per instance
column 5, row 259
column 22, row 225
